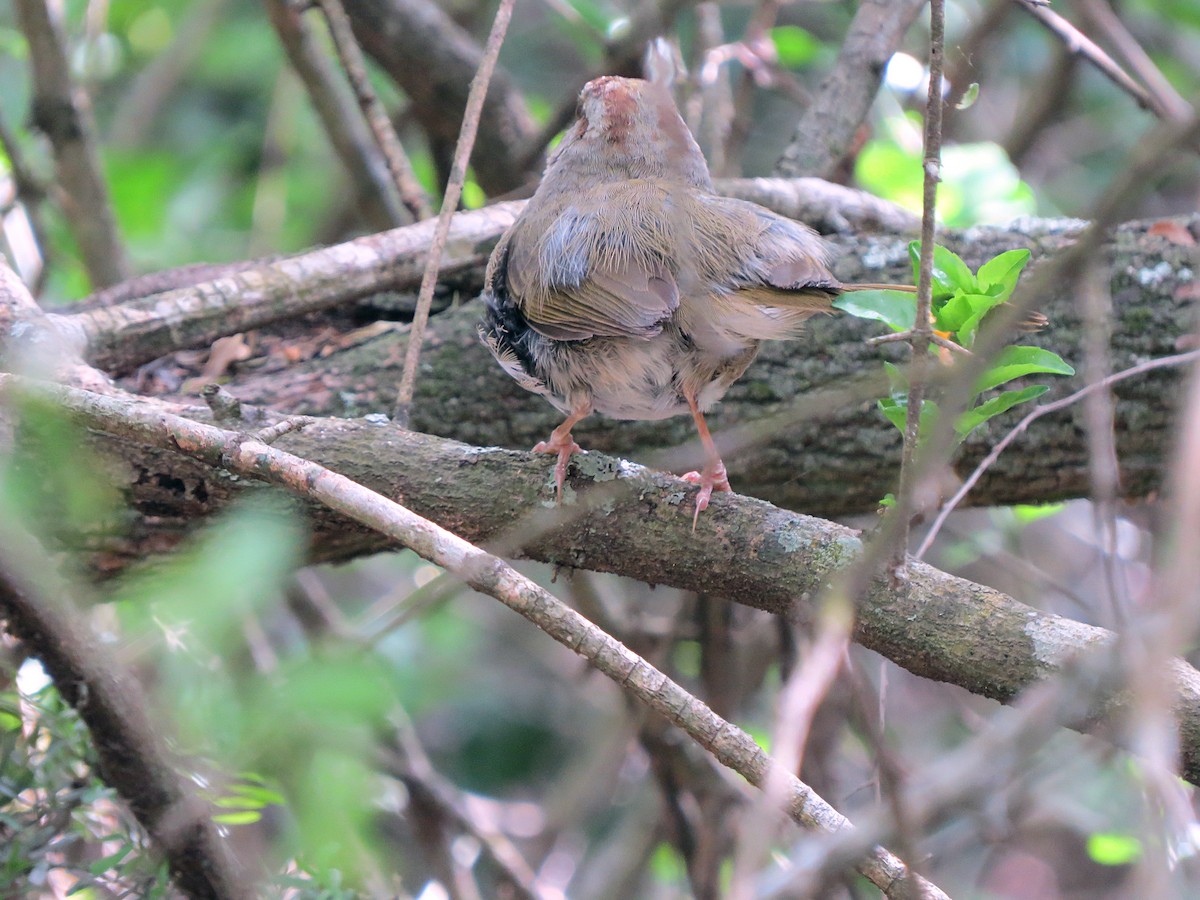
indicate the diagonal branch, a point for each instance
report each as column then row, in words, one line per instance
column 247, row 456
column 1084, row 47
column 377, row 118
column 62, row 112
column 626, row 519
column 374, row 193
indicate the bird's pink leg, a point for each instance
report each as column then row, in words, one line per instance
column 562, row 443
column 713, row 478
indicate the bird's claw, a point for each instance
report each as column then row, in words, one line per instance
column 713, row 478
column 565, row 449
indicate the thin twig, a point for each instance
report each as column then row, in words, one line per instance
column 355, row 67
column 62, row 112
column 1081, row 45
column 1150, row 365
column 934, row 337
column 348, row 131
column 480, row 570
column 1102, row 17
column 1099, row 410
column 31, row 193
column 922, row 330
column 458, row 175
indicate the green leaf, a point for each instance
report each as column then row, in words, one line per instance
column 998, row 276
column 1113, row 849
column 895, row 308
column 973, row 418
column 1031, row 512
column 960, row 309
column 1015, row 362
column 100, row 866
column 794, row 45
column 245, row 817
column 897, row 380
column 896, row 411
column 951, row 271
column 970, row 95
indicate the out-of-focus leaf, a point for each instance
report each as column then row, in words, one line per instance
column 794, row 45
column 1029, row 512
column 1113, row 849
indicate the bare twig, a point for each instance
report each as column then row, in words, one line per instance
column 349, row 135
column 1020, row 428
column 31, row 193
column 415, row 766
column 388, row 142
column 1099, row 410
column 458, row 175
column 433, row 59
column 482, row 571
column 934, row 338
column 61, row 110
column 1083, row 46
column 922, row 329
column 826, row 131
column 1101, row 16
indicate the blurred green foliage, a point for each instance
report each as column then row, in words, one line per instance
column 282, row 732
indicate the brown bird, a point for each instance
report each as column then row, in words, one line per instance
column 627, row 287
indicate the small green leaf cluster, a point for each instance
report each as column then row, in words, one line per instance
column 961, row 300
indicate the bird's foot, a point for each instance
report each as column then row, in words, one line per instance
column 713, row 478
column 565, row 447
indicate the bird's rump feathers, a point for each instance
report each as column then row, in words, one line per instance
column 621, row 259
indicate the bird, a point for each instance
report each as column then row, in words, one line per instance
column 628, row 287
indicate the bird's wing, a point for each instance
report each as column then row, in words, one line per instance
column 768, row 260
column 592, row 266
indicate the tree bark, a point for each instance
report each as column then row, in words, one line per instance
column 842, row 457
column 621, row 518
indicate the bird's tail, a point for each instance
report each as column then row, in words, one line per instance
column 864, row 286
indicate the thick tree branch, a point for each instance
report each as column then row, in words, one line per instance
column 796, row 430
column 622, row 518
column 249, row 296
column 247, row 455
